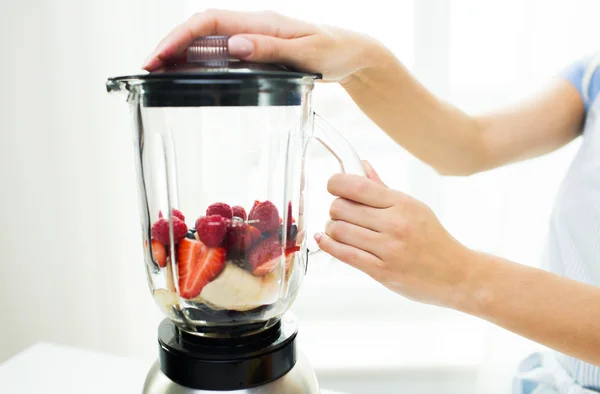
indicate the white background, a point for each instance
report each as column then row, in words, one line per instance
column 72, row 268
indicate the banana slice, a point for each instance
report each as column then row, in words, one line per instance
column 169, row 276
column 166, row 300
column 237, row 289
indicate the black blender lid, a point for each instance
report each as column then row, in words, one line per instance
column 208, row 76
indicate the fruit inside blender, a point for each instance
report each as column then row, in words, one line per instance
column 229, row 261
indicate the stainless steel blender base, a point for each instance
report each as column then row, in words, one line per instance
column 301, row 379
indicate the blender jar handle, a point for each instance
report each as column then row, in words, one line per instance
column 344, row 153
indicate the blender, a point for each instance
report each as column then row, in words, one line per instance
column 220, row 152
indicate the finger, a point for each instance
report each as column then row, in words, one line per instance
column 358, row 214
column 353, row 235
column 224, row 22
column 360, row 189
column 371, row 173
column 261, row 48
column 357, row 258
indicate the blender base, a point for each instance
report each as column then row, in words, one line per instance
column 300, row 380
column 264, row 363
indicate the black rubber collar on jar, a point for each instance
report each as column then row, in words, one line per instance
column 227, row 364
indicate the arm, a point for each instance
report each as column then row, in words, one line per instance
column 453, row 142
column 399, row 242
column 552, row 310
column 449, row 140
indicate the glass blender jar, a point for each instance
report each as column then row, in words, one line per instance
column 221, row 152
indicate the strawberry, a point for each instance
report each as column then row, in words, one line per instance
column 291, row 249
column 290, row 218
column 174, row 212
column 265, row 217
column 211, row 230
column 265, row 257
column 290, row 257
column 240, row 236
column 198, row 265
column 221, row 209
column 159, row 252
column 239, row 211
column 160, row 230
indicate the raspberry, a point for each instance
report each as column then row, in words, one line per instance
column 211, row 230
column 239, row 211
column 160, row 230
column 256, row 202
column 221, row 209
column 241, row 236
column 265, row 217
column 175, row 212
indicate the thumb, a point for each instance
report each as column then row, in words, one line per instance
column 371, row 173
column 259, row 48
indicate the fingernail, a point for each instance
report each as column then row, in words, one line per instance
column 318, row 237
column 240, row 47
column 151, row 63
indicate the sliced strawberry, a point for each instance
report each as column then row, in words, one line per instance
column 265, row 257
column 291, row 249
column 290, row 218
column 240, row 236
column 198, row 265
column 159, row 252
column 220, row 208
column 211, row 230
column 289, row 260
column 265, row 217
column 239, row 211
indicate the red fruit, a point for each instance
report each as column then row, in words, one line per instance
column 265, row 217
column 239, row 211
column 240, row 236
column 198, row 265
column 221, row 209
column 290, row 219
column 211, row 230
column 281, row 221
column 174, row 212
column 256, row 202
column 160, row 230
column 265, row 257
column 291, row 249
column 159, row 253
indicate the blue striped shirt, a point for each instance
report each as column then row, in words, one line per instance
column 573, row 246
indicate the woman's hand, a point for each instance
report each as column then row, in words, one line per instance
column 395, row 239
column 399, row 242
column 274, row 38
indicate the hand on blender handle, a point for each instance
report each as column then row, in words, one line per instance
column 268, row 37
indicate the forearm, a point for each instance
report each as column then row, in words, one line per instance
column 554, row 311
column 433, row 131
column 451, row 141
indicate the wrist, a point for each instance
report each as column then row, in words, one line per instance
column 370, row 58
column 472, row 295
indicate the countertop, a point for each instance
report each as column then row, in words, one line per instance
column 53, row 368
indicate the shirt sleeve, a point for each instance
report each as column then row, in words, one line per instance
column 575, row 74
